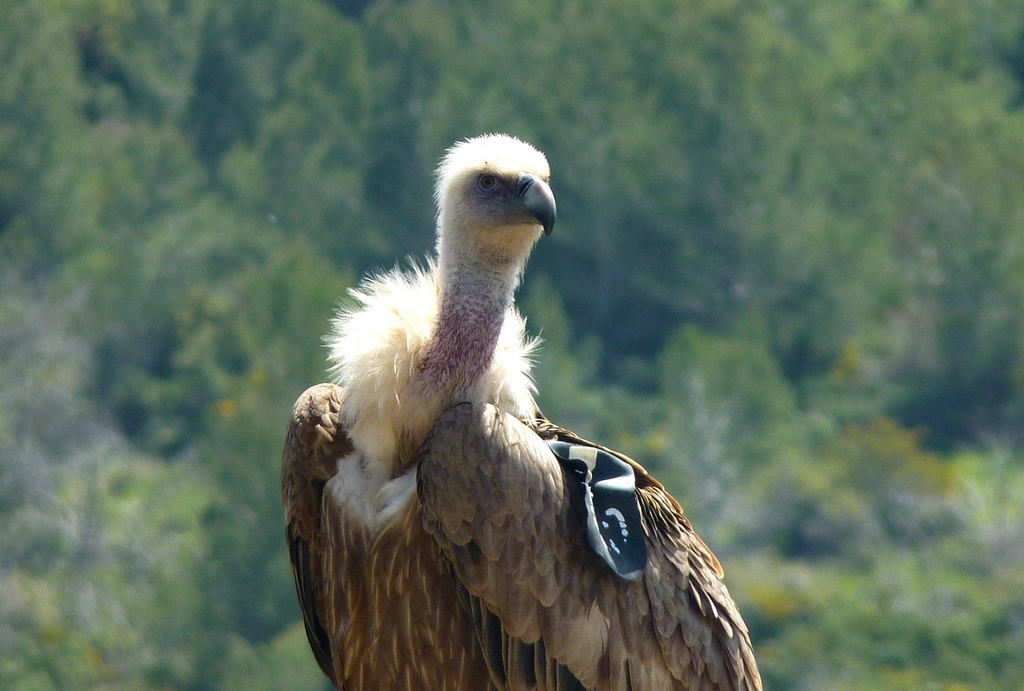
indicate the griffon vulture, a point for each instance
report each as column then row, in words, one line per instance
column 443, row 533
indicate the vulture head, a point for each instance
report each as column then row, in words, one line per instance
column 493, row 202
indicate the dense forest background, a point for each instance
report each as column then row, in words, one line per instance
column 787, row 275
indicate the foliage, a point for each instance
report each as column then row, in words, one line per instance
column 788, row 275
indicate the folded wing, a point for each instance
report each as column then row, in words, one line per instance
column 549, row 611
column 311, row 449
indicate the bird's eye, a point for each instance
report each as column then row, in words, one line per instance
column 487, row 182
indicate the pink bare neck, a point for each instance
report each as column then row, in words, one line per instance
column 472, row 311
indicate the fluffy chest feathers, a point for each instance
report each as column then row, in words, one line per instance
column 378, row 345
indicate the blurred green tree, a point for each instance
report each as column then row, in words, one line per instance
column 787, row 274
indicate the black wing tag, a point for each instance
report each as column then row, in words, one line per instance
column 614, row 529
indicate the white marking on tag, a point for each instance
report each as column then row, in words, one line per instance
column 587, row 454
column 620, row 518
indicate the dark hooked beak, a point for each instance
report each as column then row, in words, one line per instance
column 536, row 198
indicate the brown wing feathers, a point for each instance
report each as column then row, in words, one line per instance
column 707, row 646
column 380, row 612
column 494, row 499
column 311, row 448
column 714, row 624
column 548, row 613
